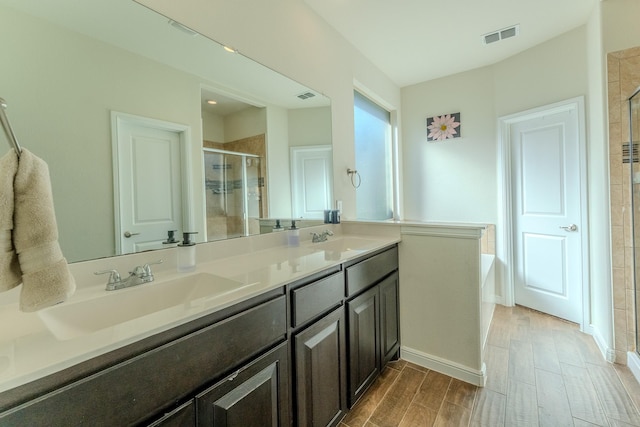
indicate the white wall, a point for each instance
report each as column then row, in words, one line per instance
column 456, row 180
column 598, row 181
column 453, row 180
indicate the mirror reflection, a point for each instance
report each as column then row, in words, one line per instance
column 115, row 98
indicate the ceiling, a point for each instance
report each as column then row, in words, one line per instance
column 413, row 41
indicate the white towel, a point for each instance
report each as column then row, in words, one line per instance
column 29, row 249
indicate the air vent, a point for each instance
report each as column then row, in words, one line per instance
column 502, row 34
column 306, row 95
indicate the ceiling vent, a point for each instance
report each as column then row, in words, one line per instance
column 306, row 95
column 502, row 34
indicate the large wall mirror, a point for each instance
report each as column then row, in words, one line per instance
column 148, row 127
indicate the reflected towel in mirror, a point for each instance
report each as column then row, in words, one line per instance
column 30, row 253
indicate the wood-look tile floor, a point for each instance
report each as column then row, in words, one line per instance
column 541, row 371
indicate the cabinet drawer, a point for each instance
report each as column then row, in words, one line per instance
column 255, row 395
column 131, row 391
column 366, row 273
column 312, row 300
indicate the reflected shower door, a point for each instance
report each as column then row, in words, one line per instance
column 232, row 194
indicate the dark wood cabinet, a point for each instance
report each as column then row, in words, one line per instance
column 364, row 357
column 257, row 395
column 159, row 380
column 320, row 372
column 389, row 318
column 372, row 315
column 183, row 416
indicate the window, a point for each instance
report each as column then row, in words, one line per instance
column 374, row 160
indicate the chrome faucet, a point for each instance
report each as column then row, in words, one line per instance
column 320, row 237
column 141, row 274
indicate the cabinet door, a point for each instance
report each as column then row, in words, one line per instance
column 184, row 416
column 389, row 320
column 255, row 396
column 364, row 354
column 320, row 372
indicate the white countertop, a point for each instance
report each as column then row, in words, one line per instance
column 29, row 350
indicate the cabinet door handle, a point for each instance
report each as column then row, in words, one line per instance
column 233, row 377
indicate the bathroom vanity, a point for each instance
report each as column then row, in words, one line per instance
column 297, row 352
column 260, row 334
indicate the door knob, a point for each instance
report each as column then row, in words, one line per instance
column 571, row 227
column 128, row 234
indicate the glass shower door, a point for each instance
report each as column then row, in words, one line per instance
column 232, row 194
column 634, row 136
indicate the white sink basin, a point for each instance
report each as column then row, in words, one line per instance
column 67, row 321
column 345, row 244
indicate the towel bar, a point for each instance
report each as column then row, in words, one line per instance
column 7, row 127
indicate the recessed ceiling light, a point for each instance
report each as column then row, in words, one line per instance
column 211, row 102
column 230, row 49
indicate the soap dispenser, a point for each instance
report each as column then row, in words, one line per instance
column 293, row 236
column 187, row 253
column 278, row 227
column 171, row 238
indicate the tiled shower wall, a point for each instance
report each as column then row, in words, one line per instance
column 623, row 71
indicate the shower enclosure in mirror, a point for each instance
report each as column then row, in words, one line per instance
column 234, row 187
column 634, row 134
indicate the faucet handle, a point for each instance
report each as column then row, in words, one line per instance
column 147, row 267
column 160, row 261
column 113, row 278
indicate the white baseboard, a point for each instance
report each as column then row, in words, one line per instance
column 633, row 361
column 444, row 366
column 607, row 352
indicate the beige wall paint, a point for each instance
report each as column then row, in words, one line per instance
column 620, row 24
column 212, row 127
column 547, row 73
column 248, row 122
column 310, row 126
column 279, row 183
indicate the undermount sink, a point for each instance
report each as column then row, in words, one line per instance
column 67, row 321
column 345, row 244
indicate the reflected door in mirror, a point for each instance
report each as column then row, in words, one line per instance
column 149, row 182
column 311, row 181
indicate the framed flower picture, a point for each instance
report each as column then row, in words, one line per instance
column 446, row 126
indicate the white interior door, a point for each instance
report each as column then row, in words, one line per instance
column 147, row 168
column 311, row 181
column 547, row 212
